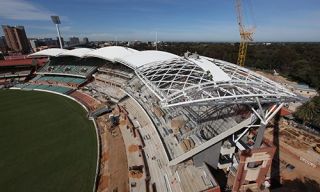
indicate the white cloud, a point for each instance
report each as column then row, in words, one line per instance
column 22, row 10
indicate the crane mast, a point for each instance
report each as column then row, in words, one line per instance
column 245, row 35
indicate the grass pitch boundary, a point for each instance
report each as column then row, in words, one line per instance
column 68, row 104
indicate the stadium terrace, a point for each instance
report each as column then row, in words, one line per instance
column 190, row 112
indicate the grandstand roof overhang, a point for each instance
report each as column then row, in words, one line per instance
column 145, row 57
column 111, row 53
column 192, row 80
column 205, row 81
column 52, row 52
column 78, row 52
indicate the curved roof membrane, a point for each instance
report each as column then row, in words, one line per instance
column 145, row 57
column 189, row 80
column 79, row 52
column 111, row 53
column 217, row 73
column 51, row 52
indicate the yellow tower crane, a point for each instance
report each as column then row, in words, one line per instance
column 245, row 35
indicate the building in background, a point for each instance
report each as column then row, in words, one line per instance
column 40, row 44
column 33, row 44
column 74, row 41
column 85, row 40
column 50, row 42
column 16, row 39
column 3, row 45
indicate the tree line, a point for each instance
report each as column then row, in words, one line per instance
column 297, row 61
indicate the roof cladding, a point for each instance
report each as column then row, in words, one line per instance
column 179, row 80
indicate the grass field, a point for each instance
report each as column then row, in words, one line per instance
column 46, row 143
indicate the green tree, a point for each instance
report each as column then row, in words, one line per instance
column 309, row 112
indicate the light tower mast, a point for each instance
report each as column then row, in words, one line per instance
column 57, row 22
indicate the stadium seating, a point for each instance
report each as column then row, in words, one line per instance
column 72, row 66
column 85, row 99
column 59, row 79
column 102, row 88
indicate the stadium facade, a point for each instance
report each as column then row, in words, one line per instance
column 209, row 115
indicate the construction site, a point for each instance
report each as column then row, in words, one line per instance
column 183, row 123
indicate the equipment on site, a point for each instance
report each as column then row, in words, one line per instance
column 246, row 34
column 114, row 119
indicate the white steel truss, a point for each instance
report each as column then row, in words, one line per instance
column 181, row 81
column 181, row 84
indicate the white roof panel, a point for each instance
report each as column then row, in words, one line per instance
column 146, row 57
column 78, row 52
column 111, row 53
column 52, row 52
column 217, row 73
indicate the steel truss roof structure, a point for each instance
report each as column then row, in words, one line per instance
column 205, row 89
column 196, row 80
column 182, row 81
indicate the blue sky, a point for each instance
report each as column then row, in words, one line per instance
column 173, row 20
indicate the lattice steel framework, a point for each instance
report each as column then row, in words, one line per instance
column 181, row 81
column 182, row 84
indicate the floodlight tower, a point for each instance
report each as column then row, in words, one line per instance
column 56, row 21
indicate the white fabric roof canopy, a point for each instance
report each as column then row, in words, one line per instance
column 217, row 73
column 145, row 57
column 52, row 52
column 111, row 53
column 177, row 80
column 79, row 52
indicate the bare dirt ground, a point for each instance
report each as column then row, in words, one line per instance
column 133, row 148
column 296, row 149
column 114, row 166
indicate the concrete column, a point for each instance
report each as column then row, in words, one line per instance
column 210, row 156
column 260, row 134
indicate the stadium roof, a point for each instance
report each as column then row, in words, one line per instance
column 52, row 52
column 206, row 81
column 217, row 73
column 79, row 52
column 145, row 57
column 111, row 53
column 196, row 80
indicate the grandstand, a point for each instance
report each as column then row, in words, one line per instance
column 71, row 66
column 51, row 79
column 64, row 71
column 17, row 70
column 202, row 110
column 100, row 89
